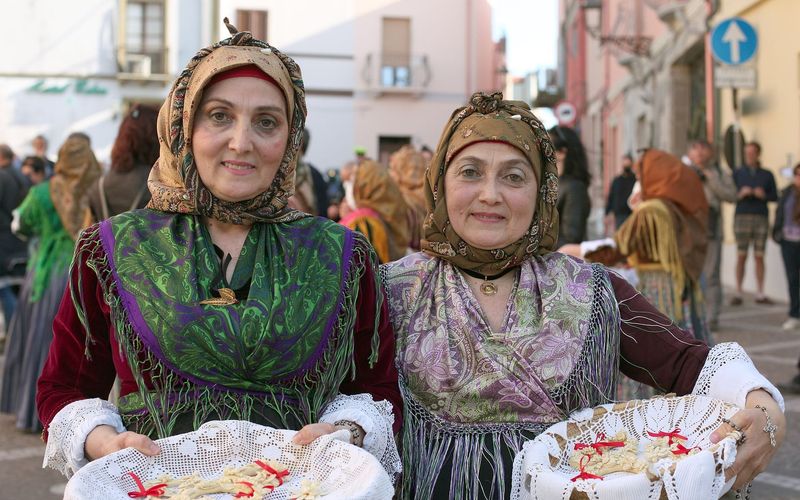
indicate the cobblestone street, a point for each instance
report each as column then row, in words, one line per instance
column 756, row 327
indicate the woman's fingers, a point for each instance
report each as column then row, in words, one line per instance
column 311, row 432
column 139, row 442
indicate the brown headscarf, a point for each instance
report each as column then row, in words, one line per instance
column 374, row 188
column 488, row 118
column 174, row 181
column 664, row 177
column 75, row 172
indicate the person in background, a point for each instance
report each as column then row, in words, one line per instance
column 21, row 184
column 786, row 232
column 718, row 187
column 407, row 168
column 573, row 190
column 218, row 301
column 124, row 186
column 39, row 145
column 54, row 212
column 427, row 154
column 617, row 209
column 756, row 187
column 13, row 251
column 311, row 190
column 374, row 206
column 34, row 168
column 499, row 336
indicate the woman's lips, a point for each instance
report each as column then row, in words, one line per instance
column 238, row 167
column 488, row 217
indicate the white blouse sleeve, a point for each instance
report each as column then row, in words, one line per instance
column 68, row 430
column 729, row 374
column 376, row 418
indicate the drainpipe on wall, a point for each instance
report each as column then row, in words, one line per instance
column 711, row 9
column 468, row 44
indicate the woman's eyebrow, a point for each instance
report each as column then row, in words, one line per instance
column 269, row 107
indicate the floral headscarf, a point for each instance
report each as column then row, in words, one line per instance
column 488, row 118
column 174, row 181
column 75, row 172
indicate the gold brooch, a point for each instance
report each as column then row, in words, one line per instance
column 227, row 297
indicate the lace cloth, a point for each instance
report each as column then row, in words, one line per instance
column 542, row 470
column 341, row 470
column 729, row 374
column 71, row 425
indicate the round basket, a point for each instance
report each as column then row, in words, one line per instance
column 542, row 469
column 340, row 470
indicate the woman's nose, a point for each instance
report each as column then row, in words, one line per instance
column 241, row 140
column 489, row 192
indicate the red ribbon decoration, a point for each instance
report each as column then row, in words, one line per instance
column 682, row 450
column 598, row 445
column 153, row 491
column 279, row 475
column 675, row 434
column 247, row 494
column 585, row 475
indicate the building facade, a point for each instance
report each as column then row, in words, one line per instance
column 641, row 74
column 378, row 73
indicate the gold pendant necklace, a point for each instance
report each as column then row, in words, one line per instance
column 487, row 287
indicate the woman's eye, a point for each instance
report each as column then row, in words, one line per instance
column 469, row 172
column 267, row 123
column 515, row 178
column 218, row 116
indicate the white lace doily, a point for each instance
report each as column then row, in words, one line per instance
column 342, row 471
column 542, row 470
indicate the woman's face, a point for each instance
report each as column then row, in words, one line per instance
column 491, row 193
column 240, row 134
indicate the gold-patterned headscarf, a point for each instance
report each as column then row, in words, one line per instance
column 76, row 170
column 407, row 168
column 174, row 181
column 488, row 118
column 374, row 188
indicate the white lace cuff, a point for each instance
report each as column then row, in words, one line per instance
column 592, row 245
column 376, row 418
column 69, row 428
column 729, row 374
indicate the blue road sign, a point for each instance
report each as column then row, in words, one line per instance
column 734, row 41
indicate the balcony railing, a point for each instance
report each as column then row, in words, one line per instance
column 388, row 73
column 135, row 65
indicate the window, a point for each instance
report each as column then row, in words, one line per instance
column 145, row 50
column 396, row 56
column 387, row 145
column 254, row 21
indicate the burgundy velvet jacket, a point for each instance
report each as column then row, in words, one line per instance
column 70, row 375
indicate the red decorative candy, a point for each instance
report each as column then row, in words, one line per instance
column 598, row 444
column 243, row 494
column 585, row 475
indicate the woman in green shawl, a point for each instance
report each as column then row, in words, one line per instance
column 218, row 301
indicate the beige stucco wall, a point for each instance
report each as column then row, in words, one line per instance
column 771, row 112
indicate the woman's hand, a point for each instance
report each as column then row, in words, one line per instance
column 311, row 432
column 755, row 453
column 104, row 439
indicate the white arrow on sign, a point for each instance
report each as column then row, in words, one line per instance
column 734, row 36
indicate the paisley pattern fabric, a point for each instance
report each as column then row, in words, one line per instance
column 281, row 353
column 474, row 395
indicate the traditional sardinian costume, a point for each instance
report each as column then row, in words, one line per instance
column 297, row 336
column 380, row 213
column 407, row 168
column 51, row 216
column 474, row 395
